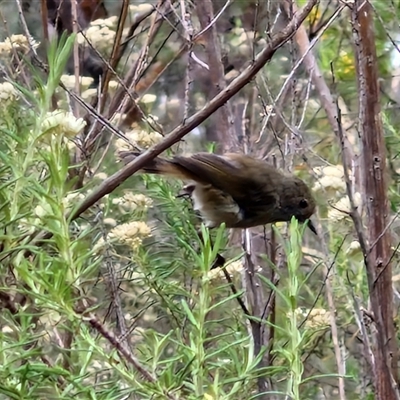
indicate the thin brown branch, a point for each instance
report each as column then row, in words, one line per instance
column 100, row 328
column 120, row 101
column 114, row 58
column 75, row 29
column 180, row 131
column 45, row 18
column 321, row 87
column 225, row 131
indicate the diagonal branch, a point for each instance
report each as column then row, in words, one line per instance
column 180, row 131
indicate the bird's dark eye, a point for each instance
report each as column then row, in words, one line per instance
column 303, row 203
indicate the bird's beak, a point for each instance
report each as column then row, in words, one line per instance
column 312, row 227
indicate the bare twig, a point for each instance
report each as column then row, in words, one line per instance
column 306, row 57
column 225, row 132
column 115, row 56
column 100, row 328
column 45, row 17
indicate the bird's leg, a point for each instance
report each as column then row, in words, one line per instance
column 187, row 192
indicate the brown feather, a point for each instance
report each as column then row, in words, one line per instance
column 236, row 189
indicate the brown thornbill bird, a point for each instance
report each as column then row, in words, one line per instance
column 236, row 189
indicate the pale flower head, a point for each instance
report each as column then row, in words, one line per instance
column 101, row 176
column 316, row 318
column 100, row 34
column 42, row 210
column 8, row 93
column 110, row 221
column 20, row 43
column 341, row 209
column 131, row 233
column 233, row 269
column 69, row 81
column 62, row 122
column 123, row 145
column 72, row 199
column 131, row 202
column 5, row 49
column 149, row 98
column 89, row 94
column 330, row 179
column 354, row 251
column 140, row 9
column 330, row 170
column 113, row 86
column 111, row 22
column 140, row 138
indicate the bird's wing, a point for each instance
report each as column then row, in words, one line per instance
column 248, row 183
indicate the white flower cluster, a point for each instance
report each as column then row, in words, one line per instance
column 342, row 208
column 234, row 268
column 331, row 182
column 17, row 42
column 140, row 9
column 330, row 179
column 354, row 251
column 72, row 198
column 8, row 93
column 62, row 122
column 140, row 138
column 87, row 94
column 131, row 202
column 100, row 34
column 316, row 318
column 70, row 80
column 131, row 233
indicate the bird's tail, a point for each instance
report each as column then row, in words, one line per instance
column 158, row 165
